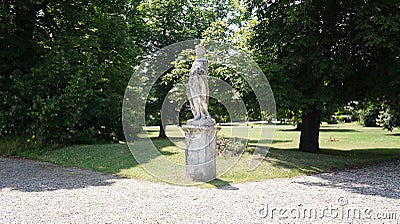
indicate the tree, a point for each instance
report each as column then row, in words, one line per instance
column 64, row 68
column 168, row 22
column 389, row 118
column 230, row 30
column 226, row 87
column 304, row 41
column 321, row 54
column 377, row 27
column 369, row 115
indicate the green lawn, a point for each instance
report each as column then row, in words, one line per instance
column 343, row 146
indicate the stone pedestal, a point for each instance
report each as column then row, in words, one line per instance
column 200, row 150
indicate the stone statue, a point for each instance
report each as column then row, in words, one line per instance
column 200, row 132
column 197, row 90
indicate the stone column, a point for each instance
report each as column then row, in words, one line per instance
column 200, row 151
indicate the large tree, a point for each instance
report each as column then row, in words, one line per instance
column 317, row 54
column 169, row 22
column 64, row 67
column 378, row 26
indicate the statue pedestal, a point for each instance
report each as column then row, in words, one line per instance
column 200, row 150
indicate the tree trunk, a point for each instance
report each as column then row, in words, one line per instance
column 162, row 133
column 310, row 131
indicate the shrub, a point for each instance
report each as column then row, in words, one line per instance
column 230, row 146
column 10, row 146
column 388, row 119
column 332, row 120
column 18, row 146
column 369, row 116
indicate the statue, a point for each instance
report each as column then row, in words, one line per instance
column 200, row 132
column 197, row 90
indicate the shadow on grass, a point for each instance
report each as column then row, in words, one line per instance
column 337, row 130
column 323, row 129
column 171, row 138
column 289, row 130
column 370, row 182
column 392, row 134
column 222, row 184
column 273, row 141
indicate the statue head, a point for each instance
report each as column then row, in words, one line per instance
column 200, row 51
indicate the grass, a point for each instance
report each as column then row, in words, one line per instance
column 342, row 146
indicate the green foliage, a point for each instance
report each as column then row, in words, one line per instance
column 11, row 146
column 64, row 65
column 303, row 48
column 377, row 28
column 346, row 114
column 168, row 22
column 389, row 118
column 370, row 115
column 324, row 54
column 64, row 70
column 217, row 71
column 229, row 26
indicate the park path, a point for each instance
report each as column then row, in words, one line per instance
column 38, row 192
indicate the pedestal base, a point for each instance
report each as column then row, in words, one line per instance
column 200, row 152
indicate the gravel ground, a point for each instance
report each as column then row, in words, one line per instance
column 38, row 192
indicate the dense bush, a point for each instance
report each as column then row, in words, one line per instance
column 64, row 68
column 370, row 115
column 332, row 120
column 389, row 119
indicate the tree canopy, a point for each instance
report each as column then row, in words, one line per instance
column 319, row 55
column 65, row 64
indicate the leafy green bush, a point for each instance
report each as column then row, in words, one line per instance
column 19, row 146
column 369, row 116
column 63, row 73
column 389, row 119
column 332, row 120
column 11, row 147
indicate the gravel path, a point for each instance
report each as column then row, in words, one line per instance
column 37, row 192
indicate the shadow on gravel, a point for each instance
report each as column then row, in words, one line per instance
column 33, row 176
column 381, row 179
